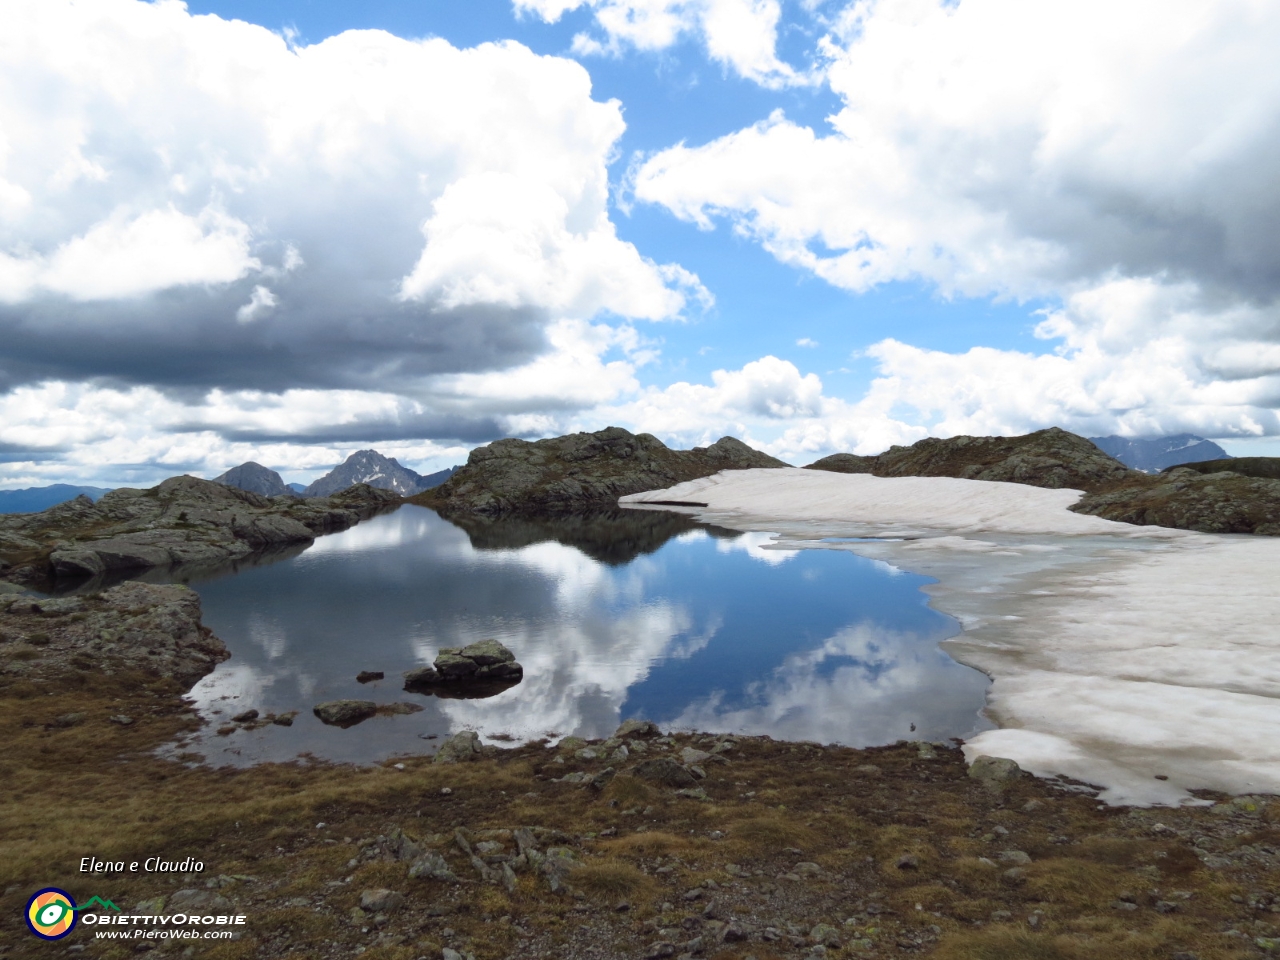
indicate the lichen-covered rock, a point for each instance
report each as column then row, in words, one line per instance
column 153, row 628
column 486, row 662
column 344, row 713
column 994, row 772
column 461, row 746
column 582, row 469
column 637, row 728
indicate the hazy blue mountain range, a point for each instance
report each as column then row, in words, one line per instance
column 35, row 499
column 1154, row 454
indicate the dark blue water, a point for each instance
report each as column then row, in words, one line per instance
column 650, row 617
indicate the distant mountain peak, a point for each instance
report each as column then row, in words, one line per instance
column 1153, row 454
column 255, row 478
column 371, row 467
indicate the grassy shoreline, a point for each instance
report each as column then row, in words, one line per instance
column 880, row 852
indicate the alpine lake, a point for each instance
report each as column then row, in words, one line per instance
column 614, row 615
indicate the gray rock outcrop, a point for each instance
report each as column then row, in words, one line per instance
column 184, row 520
column 583, row 469
column 255, row 478
column 147, row 627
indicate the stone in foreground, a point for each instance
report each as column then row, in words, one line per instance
column 344, row 713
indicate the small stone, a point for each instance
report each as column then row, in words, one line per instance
column 381, row 901
column 696, row 793
column 660, row 950
column 807, row 869
column 1031, row 806
column 867, row 770
column 907, row 862
column 664, row 770
column 1015, row 875
column 637, row 728
column 283, row 719
column 344, row 713
column 122, row 720
column 1165, row 906
column 825, row 935
column 368, row 676
column 432, row 866
column 733, row 933
column 245, row 717
column 994, row 772
column 464, row 745
column 1015, row 856
column 690, row 755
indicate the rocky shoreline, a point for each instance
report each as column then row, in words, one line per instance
column 184, row 520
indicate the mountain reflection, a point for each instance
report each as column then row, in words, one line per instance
column 615, row 537
column 613, row 615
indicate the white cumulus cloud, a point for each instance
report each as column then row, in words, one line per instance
column 1118, row 160
column 740, row 34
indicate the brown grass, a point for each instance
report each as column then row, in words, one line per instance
column 612, row 879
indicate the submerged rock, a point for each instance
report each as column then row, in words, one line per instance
column 582, row 469
column 344, row 713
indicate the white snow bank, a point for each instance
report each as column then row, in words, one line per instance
column 895, row 506
column 1117, row 653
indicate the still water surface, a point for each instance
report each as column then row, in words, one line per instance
column 635, row 615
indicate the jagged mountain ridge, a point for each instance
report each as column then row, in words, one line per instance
column 384, row 473
column 1153, row 454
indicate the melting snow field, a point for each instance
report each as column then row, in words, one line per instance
column 1118, row 654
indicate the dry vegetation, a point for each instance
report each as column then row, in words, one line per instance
column 868, row 853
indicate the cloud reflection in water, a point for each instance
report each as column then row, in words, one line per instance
column 689, row 627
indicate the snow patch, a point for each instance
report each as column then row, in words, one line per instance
column 1118, row 653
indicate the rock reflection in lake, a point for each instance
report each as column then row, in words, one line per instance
column 612, row 616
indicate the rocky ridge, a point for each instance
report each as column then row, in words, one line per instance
column 579, row 470
column 1047, row 458
column 1224, row 496
column 184, row 520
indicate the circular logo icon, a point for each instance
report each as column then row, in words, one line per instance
column 51, row 913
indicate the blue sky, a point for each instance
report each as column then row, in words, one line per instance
column 818, row 225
